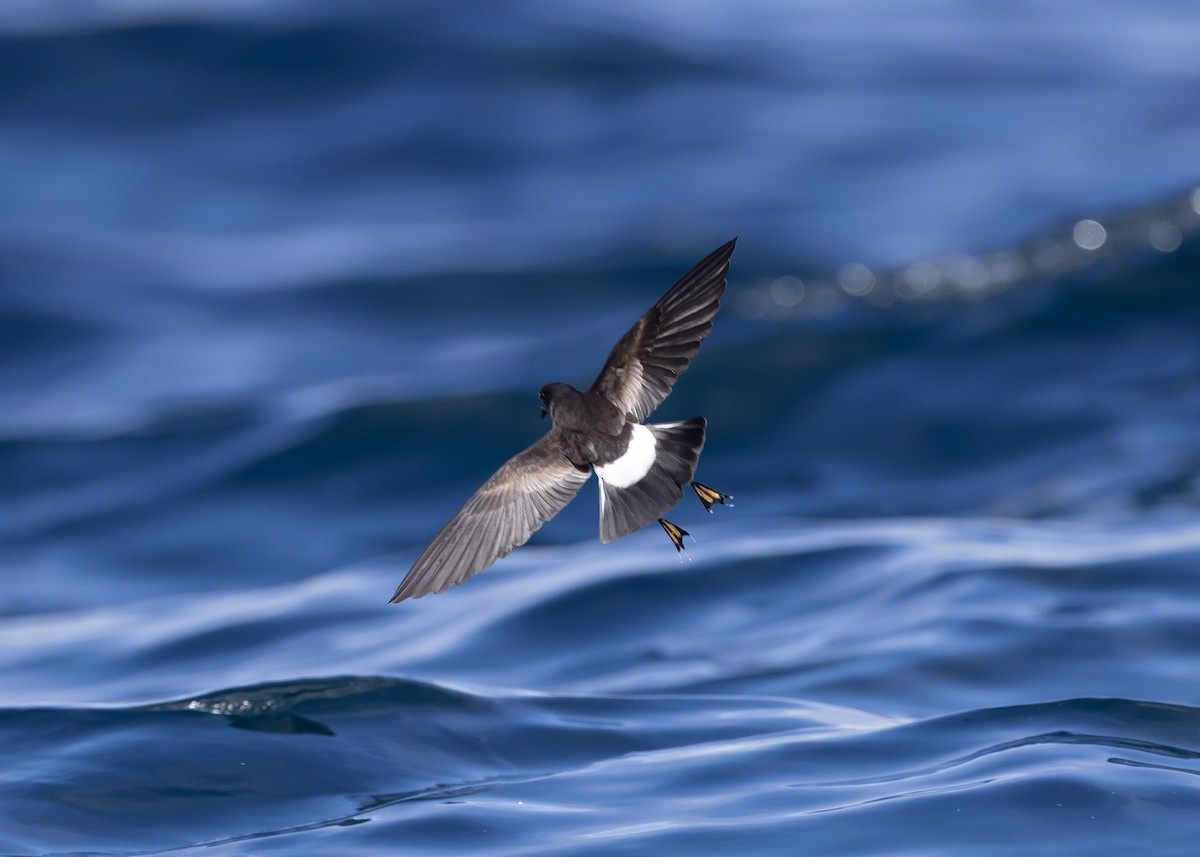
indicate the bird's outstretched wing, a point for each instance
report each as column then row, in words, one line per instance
column 530, row 489
column 645, row 362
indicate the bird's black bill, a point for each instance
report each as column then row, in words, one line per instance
column 674, row 532
column 710, row 496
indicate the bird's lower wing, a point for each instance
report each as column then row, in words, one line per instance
column 530, row 489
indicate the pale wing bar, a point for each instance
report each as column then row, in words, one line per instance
column 643, row 366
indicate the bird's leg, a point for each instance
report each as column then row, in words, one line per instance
column 710, row 496
column 675, row 533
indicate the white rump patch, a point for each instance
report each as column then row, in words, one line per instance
column 631, row 467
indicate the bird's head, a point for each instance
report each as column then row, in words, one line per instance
column 552, row 394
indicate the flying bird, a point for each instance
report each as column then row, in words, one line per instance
column 642, row 467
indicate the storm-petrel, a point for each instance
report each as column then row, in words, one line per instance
column 642, row 468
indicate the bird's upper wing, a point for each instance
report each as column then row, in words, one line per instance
column 645, row 362
column 530, row 489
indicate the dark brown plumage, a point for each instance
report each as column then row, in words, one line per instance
column 642, row 468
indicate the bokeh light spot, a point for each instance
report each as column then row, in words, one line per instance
column 1165, row 236
column 1089, row 234
column 855, row 279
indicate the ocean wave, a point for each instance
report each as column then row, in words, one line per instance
column 585, row 771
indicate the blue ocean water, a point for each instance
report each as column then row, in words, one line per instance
column 279, row 283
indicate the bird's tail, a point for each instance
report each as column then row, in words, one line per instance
column 676, row 451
